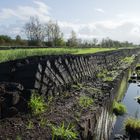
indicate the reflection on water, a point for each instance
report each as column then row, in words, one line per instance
column 133, row 108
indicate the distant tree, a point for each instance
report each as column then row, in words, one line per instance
column 34, row 31
column 54, row 35
column 72, row 41
column 5, row 40
column 95, row 41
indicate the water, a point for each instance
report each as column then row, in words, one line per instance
column 133, row 108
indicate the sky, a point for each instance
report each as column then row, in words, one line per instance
column 116, row 19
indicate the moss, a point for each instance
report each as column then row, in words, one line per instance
column 132, row 126
column 122, row 88
column 119, row 108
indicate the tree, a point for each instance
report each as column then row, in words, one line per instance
column 34, row 31
column 72, row 41
column 53, row 34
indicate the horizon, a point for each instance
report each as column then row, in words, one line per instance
column 118, row 20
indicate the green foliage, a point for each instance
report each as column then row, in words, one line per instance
column 106, row 75
column 37, row 104
column 7, row 55
column 128, row 60
column 119, row 108
column 65, row 133
column 43, row 122
column 30, row 125
column 132, row 125
column 85, row 101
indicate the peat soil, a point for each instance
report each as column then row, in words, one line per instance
column 18, row 123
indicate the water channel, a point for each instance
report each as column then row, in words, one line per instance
column 131, row 91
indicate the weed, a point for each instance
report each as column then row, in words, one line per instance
column 30, row 125
column 119, row 108
column 132, row 125
column 37, row 104
column 128, row 60
column 65, row 133
column 85, row 101
column 43, row 122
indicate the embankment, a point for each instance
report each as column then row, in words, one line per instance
column 55, row 76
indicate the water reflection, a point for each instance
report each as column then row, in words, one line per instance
column 133, row 108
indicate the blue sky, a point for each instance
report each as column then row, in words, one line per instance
column 116, row 19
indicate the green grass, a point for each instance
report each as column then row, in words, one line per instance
column 119, row 108
column 107, row 76
column 30, row 125
column 128, row 60
column 7, row 55
column 85, row 101
column 132, row 125
column 64, row 133
column 37, row 104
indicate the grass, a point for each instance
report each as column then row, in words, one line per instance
column 119, row 108
column 107, row 76
column 30, row 125
column 64, row 133
column 13, row 54
column 37, row 104
column 132, row 125
column 128, row 60
column 85, row 101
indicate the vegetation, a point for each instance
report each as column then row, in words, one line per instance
column 37, row 104
column 106, row 75
column 128, row 60
column 85, row 101
column 43, row 122
column 122, row 88
column 119, row 108
column 7, row 55
column 132, row 125
column 30, row 125
column 65, row 133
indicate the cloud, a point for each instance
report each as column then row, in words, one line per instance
column 99, row 10
column 39, row 9
column 123, row 27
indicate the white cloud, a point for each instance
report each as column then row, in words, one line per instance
column 99, row 10
column 122, row 27
column 24, row 12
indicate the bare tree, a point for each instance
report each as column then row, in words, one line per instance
column 34, row 31
column 72, row 41
column 53, row 34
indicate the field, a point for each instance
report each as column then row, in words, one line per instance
column 13, row 54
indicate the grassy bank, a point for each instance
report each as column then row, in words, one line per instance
column 7, row 55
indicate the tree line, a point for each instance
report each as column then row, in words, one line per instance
column 50, row 35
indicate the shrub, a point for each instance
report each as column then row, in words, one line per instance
column 85, row 101
column 132, row 126
column 119, row 108
column 60, row 132
column 37, row 104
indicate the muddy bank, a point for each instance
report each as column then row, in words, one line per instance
column 96, row 77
